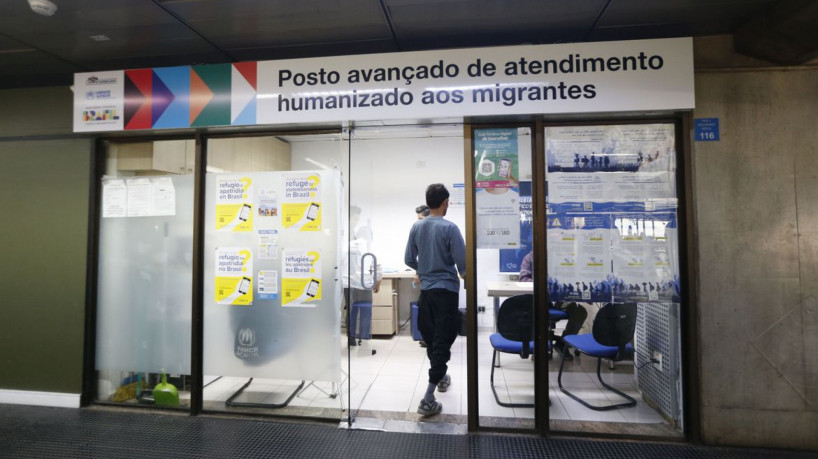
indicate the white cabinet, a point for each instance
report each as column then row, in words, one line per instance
column 248, row 154
column 384, row 309
column 174, row 156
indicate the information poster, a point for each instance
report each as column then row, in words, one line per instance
column 512, row 259
column 267, row 285
column 234, row 276
column 644, row 257
column 610, row 163
column 457, row 195
column 301, row 206
column 579, row 251
column 497, row 195
column 267, row 203
column 234, row 208
column 612, row 213
column 301, row 279
column 267, row 244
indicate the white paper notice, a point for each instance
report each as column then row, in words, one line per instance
column 164, row 196
column 114, row 199
column 139, row 197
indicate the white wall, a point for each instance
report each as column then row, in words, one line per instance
column 388, row 179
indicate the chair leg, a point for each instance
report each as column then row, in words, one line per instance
column 631, row 401
column 551, row 326
column 494, row 390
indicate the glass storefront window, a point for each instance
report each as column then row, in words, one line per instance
column 612, row 239
column 273, row 212
column 144, row 309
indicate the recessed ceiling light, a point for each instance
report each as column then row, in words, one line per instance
column 42, row 7
column 99, row 38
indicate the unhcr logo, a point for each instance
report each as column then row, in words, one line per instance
column 247, row 337
column 246, row 343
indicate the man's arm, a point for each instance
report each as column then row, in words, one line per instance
column 458, row 247
column 410, row 256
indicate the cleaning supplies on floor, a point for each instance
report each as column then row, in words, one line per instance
column 165, row 393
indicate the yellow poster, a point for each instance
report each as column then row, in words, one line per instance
column 301, row 207
column 234, row 276
column 301, row 280
column 234, row 208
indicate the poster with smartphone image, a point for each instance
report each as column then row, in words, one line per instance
column 234, row 206
column 497, row 192
column 234, row 276
column 301, row 278
column 301, row 203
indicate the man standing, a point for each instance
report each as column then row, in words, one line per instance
column 436, row 250
column 422, row 212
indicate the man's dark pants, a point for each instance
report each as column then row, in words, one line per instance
column 438, row 322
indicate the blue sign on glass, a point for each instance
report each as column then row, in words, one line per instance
column 706, row 129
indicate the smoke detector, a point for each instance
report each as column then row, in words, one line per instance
column 43, row 7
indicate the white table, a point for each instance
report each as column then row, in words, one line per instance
column 505, row 289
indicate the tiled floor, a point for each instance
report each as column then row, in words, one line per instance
column 394, row 378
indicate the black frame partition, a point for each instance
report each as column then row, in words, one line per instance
column 686, row 260
column 687, row 266
column 689, row 428
column 90, row 381
column 541, row 323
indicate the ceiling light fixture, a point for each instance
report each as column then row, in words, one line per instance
column 43, row 7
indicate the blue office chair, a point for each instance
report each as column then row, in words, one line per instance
column 515, row 335
column 610, row 339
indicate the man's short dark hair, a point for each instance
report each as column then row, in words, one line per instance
column 436, row 193
column 422, row 209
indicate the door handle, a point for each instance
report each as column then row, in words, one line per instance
column 374, row 271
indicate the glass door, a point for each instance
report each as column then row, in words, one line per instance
column 508, row 306
column 272, row 285
column 390, row 168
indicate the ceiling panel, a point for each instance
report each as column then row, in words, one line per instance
column 37, row 50
column 463, row 22
column 135, row 29
column 269, row 23
column 695, row 17
column 33, row 68
column 315, row 50
column 623, row 12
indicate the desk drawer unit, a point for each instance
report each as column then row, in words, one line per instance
column 382, row 327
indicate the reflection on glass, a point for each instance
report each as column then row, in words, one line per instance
column 612, row 235
column 271, row 287
column 145, row 274
column 506, row 387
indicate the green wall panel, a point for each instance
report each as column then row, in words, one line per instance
column 44, row 195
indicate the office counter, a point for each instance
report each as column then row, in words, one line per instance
column 390, row 306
